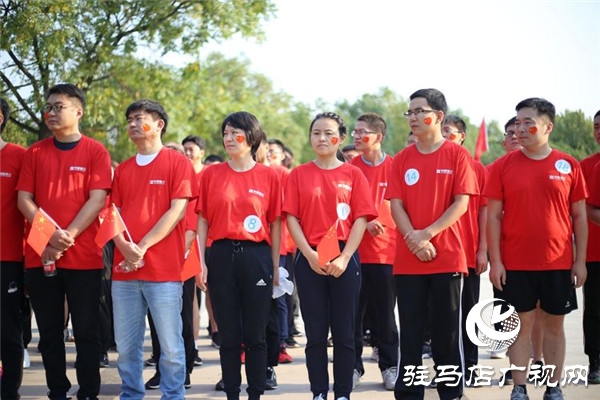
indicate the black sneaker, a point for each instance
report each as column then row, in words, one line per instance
column 296, row 333
column 197, row 360
column 151, row 362
column 291, row 343
column 104, row 361
column 154, row 382
column 220, row 386
column 188, row 382
column 215, row 340
column 508, row 379
column 271, row 379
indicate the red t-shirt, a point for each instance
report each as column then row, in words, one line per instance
column 379, row 249
column 469, row 221
column 287, row 243
column 427, row 185
column 61, row 181
column 239, row 205
column 12, row 223
column 318, row 197
column 144, row 195
column 588, row 167
column 536, row 231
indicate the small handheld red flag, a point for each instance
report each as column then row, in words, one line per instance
column 192, row 265
column 111, row 226
column 42, row 229
column 329, row 247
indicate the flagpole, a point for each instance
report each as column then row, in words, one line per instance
column 51, row 220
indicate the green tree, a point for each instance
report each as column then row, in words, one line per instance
column 573, row 134
column 46, row 42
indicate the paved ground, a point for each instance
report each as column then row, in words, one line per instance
column 293, row 380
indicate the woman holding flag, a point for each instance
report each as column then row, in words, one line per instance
column 239, row 209
column 328, row 205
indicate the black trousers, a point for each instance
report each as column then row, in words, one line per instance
column 414, row 293
column 11, row 333
column 327, row 302
column 240, row 280
column 272, row 338
column 47, row 295
column 187, row 317
column 470, row 297
column 107, row 332
column 377, row 292
column 591, row 311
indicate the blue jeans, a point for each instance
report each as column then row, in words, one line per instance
column 131, row 300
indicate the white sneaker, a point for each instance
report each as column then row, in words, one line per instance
column 26, row 359
column 342, row 398
column 320, row 397
column 497, row 355
column 375, row 353
column 389, row 378
column 355, row 378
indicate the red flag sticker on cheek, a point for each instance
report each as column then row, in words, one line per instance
column 46, row 115
column 334, row 140
column 240, row 139
column 533, row 130
column 365, row 139
column 427, row 120
column 452, row 136
column 146, row 127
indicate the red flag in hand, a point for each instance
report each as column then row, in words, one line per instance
column 111, row 226
column 192, row 265
column 329, row 247
column 42, row 229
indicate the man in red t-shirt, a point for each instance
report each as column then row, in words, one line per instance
column 376, row 251
column 68, row 176
column 11, row 264
column 429, row 190
column 152, row 190
column 472, row 225
column 536, row 204
column 591, row 288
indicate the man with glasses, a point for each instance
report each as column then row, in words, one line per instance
column 377, row 250
column 67, row 175
column 533, row 231
column 429, row 189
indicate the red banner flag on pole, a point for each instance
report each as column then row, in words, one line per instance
column 42, row 229
column 111, row 226
column 482, row 144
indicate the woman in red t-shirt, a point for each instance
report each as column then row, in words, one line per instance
column 240, row 211
column 327, row 205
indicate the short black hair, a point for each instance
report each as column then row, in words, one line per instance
column 197, row 140
column 213, row 158
column 277, row 142
column 541, row 106
column 510, row 122
column 456, row 121
column 597, row 113
column 248, row 123
column 153, row 108
column 5, row 108
column 331, row 115
column 348, row 147
column 375, row 121
column 69, row 90
column 434, row 97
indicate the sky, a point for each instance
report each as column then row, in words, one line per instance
column 485, row 56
